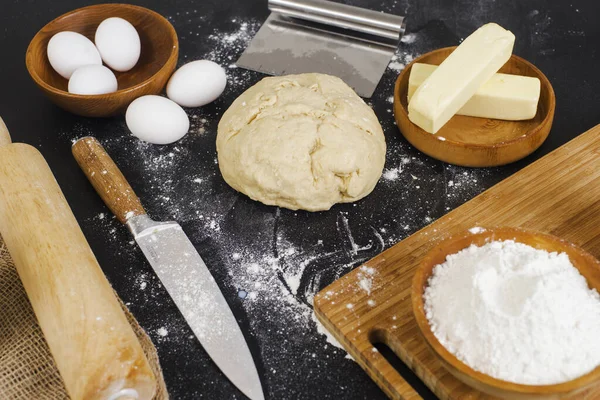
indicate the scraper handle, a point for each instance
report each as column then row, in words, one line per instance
column 344, row 16
column 107, row 179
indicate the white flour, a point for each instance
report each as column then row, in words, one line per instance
column 400, row 60
column 227, row 46
column 198, row 124
column 409, row 38
column 365, row 278
column 323, row 331
column 162, row 332
column 515, row 313
column 392, row 174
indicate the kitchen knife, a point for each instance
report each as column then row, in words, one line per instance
column 179, row 267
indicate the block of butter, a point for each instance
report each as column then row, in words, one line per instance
column 457, row 79
column 503, row 96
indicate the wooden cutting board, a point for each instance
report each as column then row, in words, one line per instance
column 558, row 194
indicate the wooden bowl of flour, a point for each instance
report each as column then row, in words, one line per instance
column 587, row 265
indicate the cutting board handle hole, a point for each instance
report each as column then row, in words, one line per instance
column 383, row 342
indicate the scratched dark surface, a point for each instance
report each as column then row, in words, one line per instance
column 561, row 37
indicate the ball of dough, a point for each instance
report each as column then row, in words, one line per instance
column 301, row 142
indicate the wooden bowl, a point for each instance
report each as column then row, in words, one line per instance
column 160, row 49
column 478, row 142
column 587, row 265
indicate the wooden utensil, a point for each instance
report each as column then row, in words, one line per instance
column 558, row 194
column 587, row 265
column 95, row 349
column 478, row 142
column 160, row 49
column 4, row 135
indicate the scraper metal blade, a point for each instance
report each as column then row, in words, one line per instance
column 303, row 36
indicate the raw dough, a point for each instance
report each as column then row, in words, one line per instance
column 301, row 142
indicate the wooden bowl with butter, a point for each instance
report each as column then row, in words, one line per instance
column 478, row 142
column 587, row 265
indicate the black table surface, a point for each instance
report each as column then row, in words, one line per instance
column 269, row 262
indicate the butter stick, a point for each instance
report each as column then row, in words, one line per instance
column 504, row 96
column 457, row 79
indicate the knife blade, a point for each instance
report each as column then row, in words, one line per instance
column 179, row 267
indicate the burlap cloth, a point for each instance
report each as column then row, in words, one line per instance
column 27, row 369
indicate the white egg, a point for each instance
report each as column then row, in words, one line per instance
column 118, row 43
column 197, row 83
column 93, row 79
column 157, row 120
column 68, row 51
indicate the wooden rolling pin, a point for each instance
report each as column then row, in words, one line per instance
column 95, row 348
column 4, row 135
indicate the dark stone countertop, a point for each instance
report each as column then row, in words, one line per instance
column 280, row 258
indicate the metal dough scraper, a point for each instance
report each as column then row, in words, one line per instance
column 301, row 36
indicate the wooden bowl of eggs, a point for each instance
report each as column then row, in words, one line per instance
column 425, row 312
column 142, row 63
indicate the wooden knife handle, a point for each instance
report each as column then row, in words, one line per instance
column 107, row 179
column 4, row 135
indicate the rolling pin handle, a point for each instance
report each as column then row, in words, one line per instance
column 4, row 135
column 125, row 394
column 107, row 179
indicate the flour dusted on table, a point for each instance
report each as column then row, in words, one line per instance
column 182, row 182
column 516, row 313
